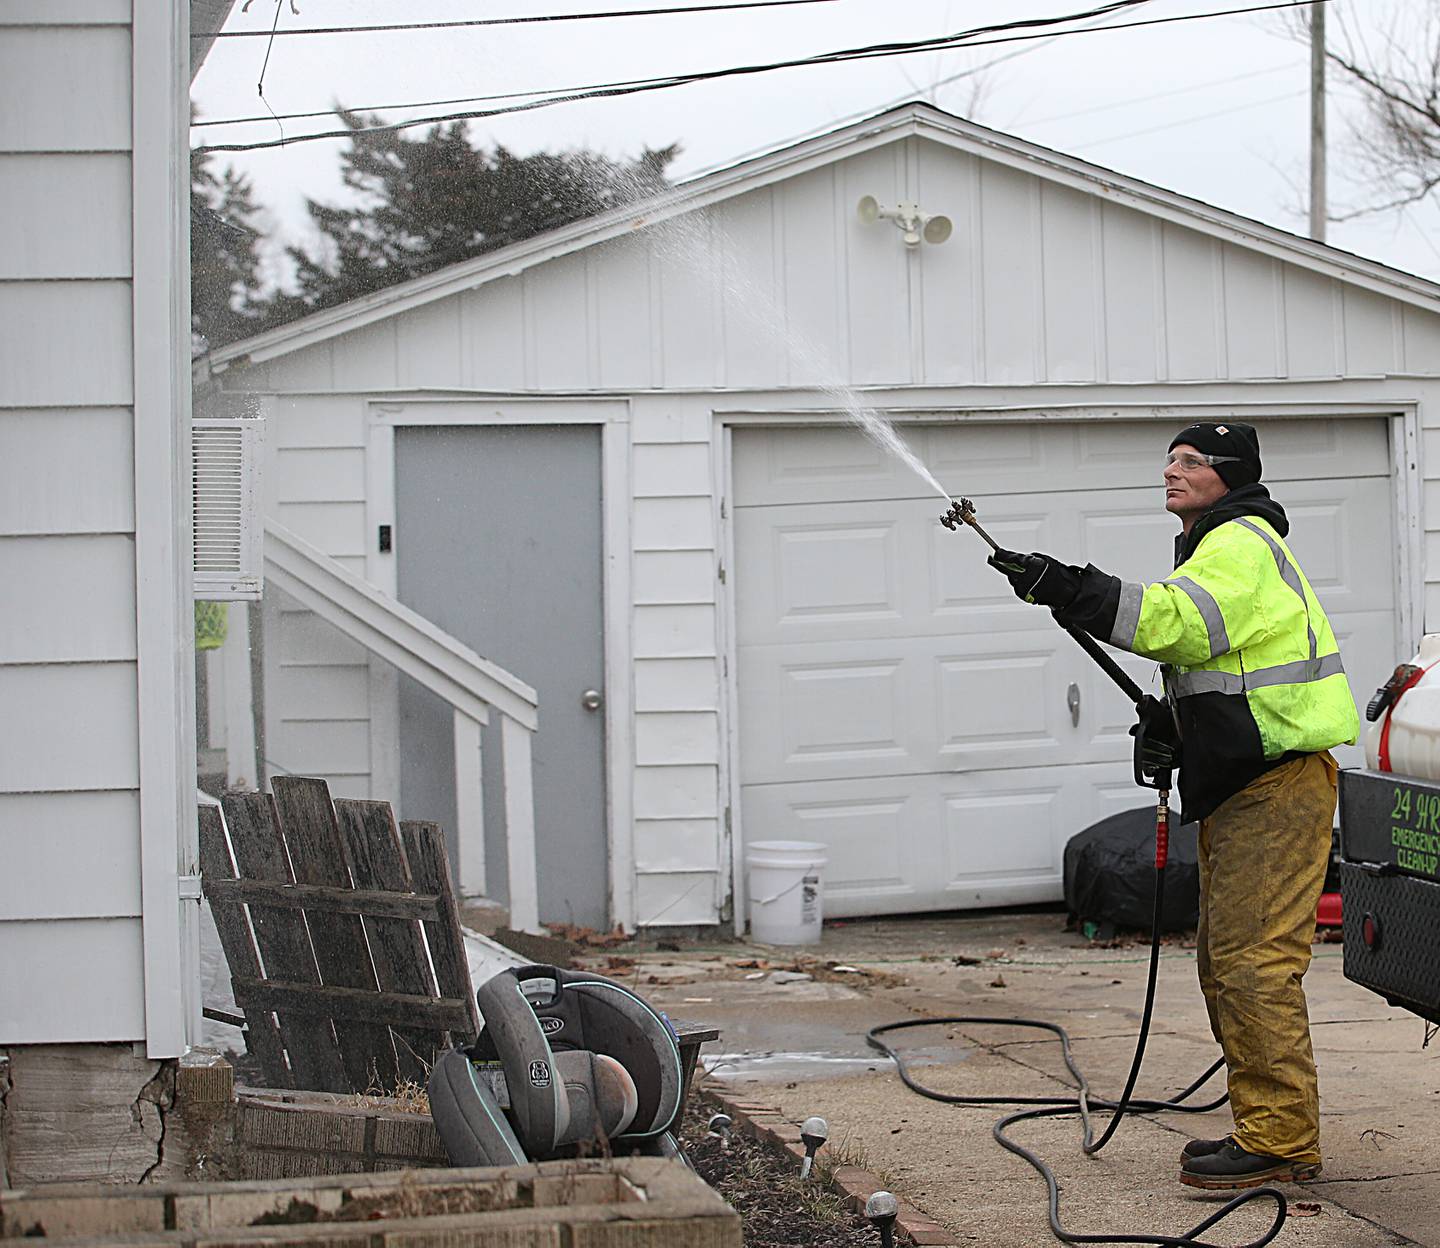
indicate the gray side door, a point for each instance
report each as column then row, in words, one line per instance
column 498, row 542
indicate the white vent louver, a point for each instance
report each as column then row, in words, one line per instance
column 228, row 529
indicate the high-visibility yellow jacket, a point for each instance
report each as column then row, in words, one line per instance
column 1251, row 663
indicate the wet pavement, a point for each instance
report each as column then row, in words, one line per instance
column 799, row 1047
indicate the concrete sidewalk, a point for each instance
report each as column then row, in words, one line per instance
column 798, row 1047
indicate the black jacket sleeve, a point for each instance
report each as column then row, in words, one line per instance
column 1093, row 608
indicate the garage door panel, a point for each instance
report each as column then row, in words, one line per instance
column 813, row 712
column 842, row 713
column 1000, row 829
column 823, row 572
column 838, row 463
column 1344, row 541
column 1128, row 536
column 1303, row 450
column 996, row 706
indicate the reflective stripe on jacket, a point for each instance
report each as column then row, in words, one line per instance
column 1238, row 618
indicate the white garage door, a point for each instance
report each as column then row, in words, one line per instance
column 899, row 705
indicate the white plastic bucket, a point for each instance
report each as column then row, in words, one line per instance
column 784, row 882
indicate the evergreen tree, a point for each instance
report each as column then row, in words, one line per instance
column 428, row 202
column 225, row 298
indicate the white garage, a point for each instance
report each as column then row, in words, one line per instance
column 786, row 644
column 898, row 705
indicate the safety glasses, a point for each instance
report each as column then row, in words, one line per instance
column 1189, row 461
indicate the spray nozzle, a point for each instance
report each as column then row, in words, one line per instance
column 962, row 511
column 953, row 518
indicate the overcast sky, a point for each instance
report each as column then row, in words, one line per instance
column 1217, row 109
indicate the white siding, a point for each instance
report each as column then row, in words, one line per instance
column 72, row 980
column 72, row 944
column 317, row 682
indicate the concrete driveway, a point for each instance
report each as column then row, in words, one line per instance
column 798, row 1048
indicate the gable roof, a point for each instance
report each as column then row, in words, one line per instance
column 905, row 121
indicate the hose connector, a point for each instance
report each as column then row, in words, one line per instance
column 1162, row 829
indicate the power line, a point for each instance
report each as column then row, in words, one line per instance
column 968, row 72
column 629, row 86
column 959, row 39
column 509, row 21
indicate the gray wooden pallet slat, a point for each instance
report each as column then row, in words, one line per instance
column 430, row 869
column 368, row 902
column 283, row 940
column 376, row 1010
column 317, row 855
column 238, row 945
column 377, row 861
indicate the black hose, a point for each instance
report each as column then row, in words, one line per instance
column 1082, row 1102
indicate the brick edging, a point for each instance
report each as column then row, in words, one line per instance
column 769, row 1127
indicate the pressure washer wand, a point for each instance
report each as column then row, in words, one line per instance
column 963, row 512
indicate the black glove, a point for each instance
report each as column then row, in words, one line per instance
column 1038, row 578
column 1157, row 748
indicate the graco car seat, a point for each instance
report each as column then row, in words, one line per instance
column 565, row 1060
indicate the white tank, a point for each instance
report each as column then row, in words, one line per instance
column 1414, row 721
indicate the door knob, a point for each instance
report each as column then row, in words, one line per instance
column 1072, row 700
column 592, row 700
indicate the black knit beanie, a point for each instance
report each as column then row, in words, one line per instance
column 1231, row 438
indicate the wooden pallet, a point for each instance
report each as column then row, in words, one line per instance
column 342, row 936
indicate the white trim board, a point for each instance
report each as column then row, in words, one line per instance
column 165, row 657
column 383, row 417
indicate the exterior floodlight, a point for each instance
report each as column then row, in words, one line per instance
column 937, row 229
column 909, row 220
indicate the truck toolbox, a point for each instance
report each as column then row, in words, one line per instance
column 1390, row 881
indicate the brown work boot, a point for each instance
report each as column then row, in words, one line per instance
column 1230, row 1166
column 1202, row 1148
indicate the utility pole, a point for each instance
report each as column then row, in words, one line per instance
column 1317, row 121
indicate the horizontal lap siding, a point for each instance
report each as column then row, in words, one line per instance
column 677, row 805
column 70, row 946
column 317, row 681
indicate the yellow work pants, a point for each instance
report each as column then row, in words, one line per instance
column 1263, row 855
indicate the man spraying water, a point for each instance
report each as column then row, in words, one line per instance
column 1259, row 698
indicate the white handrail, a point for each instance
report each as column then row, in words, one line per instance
column 470, row 684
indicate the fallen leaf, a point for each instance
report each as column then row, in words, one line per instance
column 998, row 982
column 1304, row 1209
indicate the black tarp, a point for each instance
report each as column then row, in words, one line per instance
column 1110, row 873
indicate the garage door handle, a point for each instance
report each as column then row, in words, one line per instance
column 1072, row 700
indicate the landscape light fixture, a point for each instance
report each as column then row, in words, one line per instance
column 913, row 224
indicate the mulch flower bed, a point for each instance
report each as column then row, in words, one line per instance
column 775, row 1207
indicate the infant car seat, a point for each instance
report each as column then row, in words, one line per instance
column 564, row 1059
